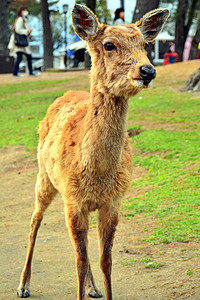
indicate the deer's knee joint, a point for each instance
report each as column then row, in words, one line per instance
column 82, row 266
column 36, row 219
column 82, row 256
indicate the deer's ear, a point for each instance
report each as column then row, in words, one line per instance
column 152, row 23
column 85, row 23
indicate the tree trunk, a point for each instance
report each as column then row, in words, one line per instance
column 184, row 11
column 4, row 30
column 193, row 82
column 122, row 3
column 91, row 4
column 180, row 32
column 142, row 7
column 47, row 36
column 195, row 42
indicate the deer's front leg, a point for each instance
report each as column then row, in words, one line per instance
column 108, row 220
column 78, row 227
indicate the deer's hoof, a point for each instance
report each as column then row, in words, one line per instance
column 94, row 293
column 23, row 293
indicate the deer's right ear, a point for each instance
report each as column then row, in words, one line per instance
column 152, row 23
column 85, row 22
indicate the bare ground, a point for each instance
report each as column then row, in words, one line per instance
column 177, row 275
column 8, row 78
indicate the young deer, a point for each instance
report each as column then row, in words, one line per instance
column 84, row 152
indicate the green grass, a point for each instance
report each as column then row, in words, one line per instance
column 168, row 150
column 148, row 264
column 130, row 262
column 153, row 265
column 190, row 272
column 20, row 117
column 32, row 86
column 22, row 106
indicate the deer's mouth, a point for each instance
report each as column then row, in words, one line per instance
column 144, row 83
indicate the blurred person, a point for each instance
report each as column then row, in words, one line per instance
column 21, row 27
column 170, row 57
column 119, row 17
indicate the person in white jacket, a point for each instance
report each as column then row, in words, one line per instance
column 21, row 26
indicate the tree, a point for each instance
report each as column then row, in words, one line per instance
column 57, row 21
column 91, row 4
column 103, row 13
column 184, row 19
column 4, row 30
column 142, row 7
column 122, row 3
column 194, row 46
column 47, row 35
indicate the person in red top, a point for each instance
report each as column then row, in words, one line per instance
column 170, row 57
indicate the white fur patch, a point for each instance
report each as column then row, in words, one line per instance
column 140, row 83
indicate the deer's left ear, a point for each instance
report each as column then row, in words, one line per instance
column 85, row 23
column 152, row 23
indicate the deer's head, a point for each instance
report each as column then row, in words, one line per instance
column 119, row 56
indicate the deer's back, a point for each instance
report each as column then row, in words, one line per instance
column 68, row 109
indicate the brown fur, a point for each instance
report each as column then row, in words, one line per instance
column 84, row 152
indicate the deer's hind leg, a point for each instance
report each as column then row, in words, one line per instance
column 45, row 192
column 92, row 289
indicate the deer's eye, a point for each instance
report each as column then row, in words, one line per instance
column 109, row 47
column 146, row 46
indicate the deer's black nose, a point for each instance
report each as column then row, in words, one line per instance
column 147, row 73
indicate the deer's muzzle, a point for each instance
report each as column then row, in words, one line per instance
column 147, row 73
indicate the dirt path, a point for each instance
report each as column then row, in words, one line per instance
column 8, row 78
column 177, row 271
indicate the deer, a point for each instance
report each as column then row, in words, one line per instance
column 84, row 152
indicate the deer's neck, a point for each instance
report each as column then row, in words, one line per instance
column 104, row 132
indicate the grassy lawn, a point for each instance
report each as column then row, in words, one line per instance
column 167, row 151
column 23, row 105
